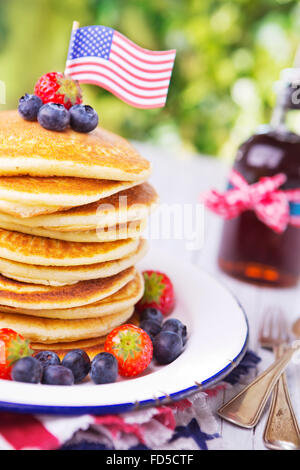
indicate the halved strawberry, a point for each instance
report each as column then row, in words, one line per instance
column 132, row 348
column 12, row 347
column 159, row 293
column 54, row 87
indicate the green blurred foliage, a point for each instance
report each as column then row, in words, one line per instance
column 229, row 54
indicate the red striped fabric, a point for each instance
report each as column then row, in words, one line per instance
column 43, row 432
column 26, row 432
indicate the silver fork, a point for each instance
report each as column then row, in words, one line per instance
column 273, row 329
column 246, row 407
column 281, row 431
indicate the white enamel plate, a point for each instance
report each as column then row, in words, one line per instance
column 218, row 336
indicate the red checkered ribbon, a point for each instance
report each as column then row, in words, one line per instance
column 270, row 205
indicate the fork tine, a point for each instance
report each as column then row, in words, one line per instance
column 278, row 333
column 264, row 327
column 272, row 324
column 274, row 328
column 284, row 330
column 266, row 324
column 280, row 325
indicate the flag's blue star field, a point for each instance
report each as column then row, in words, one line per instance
column 91, row 41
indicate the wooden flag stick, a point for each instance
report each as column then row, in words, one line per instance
column 75, row 26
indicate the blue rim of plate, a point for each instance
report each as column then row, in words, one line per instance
column 131, row 406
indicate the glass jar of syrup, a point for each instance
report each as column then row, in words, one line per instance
column 250, row 250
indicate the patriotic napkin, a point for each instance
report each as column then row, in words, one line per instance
column 189, row 424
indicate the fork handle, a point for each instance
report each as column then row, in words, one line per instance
column 246, row 408
column 281, row 431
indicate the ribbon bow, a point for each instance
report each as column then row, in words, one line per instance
column 270, row 205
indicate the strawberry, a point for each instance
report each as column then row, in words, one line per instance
column 54, row 87
column 132, row 348
column 159, row 293
column 12, row 347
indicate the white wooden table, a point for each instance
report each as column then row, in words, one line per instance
column 180, row 179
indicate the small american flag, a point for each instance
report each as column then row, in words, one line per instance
column 102, row 56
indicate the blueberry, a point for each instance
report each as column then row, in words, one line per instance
column 28, row 369
column 152, row 314
column 29, row 106
column 104, row 368
column 151, row 327
column 177, row 327
column 57, row 375
column 54, row 116
column 167, row 346
column 47, row 358
column 78, row 362
column 83, row 118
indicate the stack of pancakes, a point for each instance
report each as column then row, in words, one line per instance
column 72, row 210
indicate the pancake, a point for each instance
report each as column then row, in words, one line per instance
column 79, row 194
column 26, row 148
column 57, row 192
column 46, row 330
column 30, row 249
column 132, row 229
column 37, row 297
column 129, row 205
column 23, row 211
column 59, row 276
column 92, row 346
column 80, row 344
column 124, row 298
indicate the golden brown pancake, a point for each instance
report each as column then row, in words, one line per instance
column 26, row 148
column 63, row 275
column 24, row 196
column 132, row 229
column 129, row 205
column 46, row 330
column 21, row 210
column 58, row 191
column 80, row 344
column 30, row 249
column 124, row 298
column 92, row 346
column 37, row 297
column 72, row 207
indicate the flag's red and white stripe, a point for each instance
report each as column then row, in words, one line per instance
column 138, row 76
